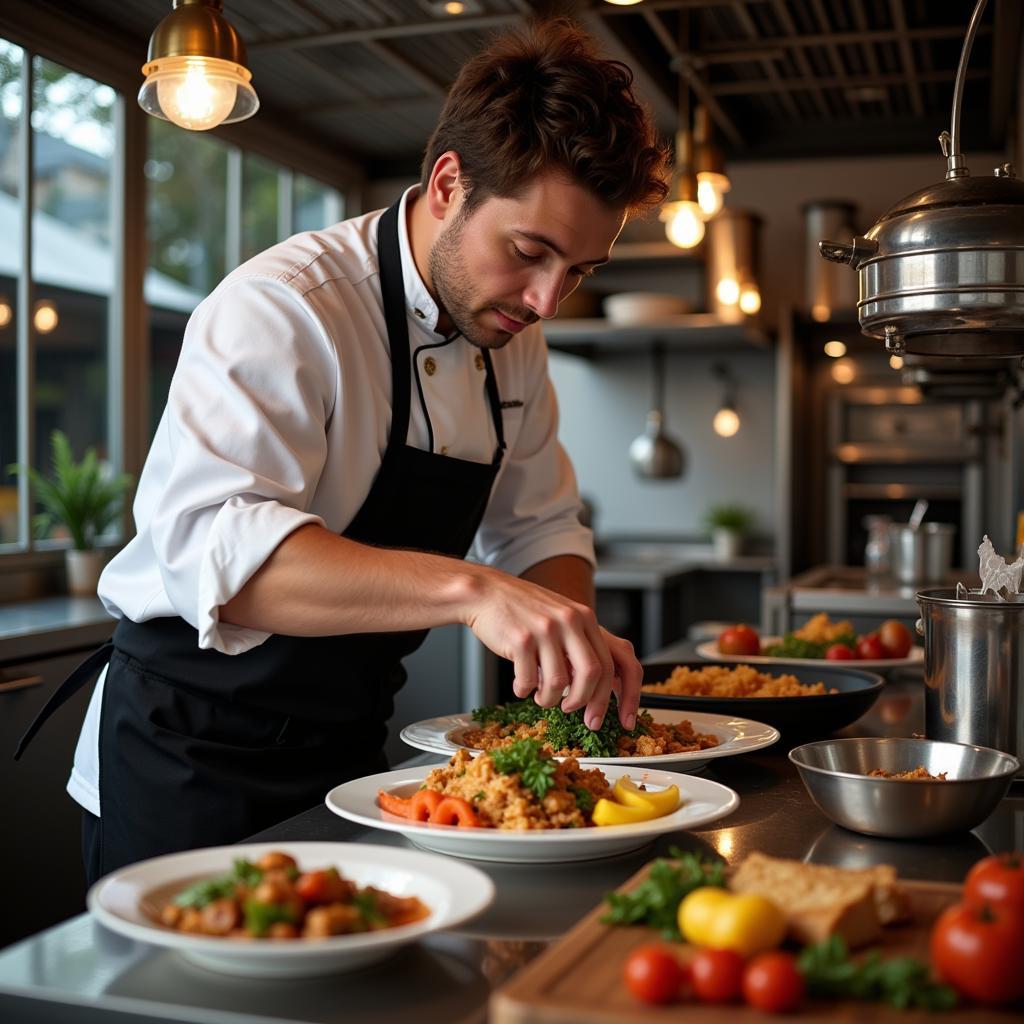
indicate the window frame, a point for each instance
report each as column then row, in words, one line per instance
column 114, row 59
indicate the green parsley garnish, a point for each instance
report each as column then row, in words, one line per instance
column 902, row 982
column 199, row 894
column 794, row 647
column 260, row 916
column 584, row 799
column 655, row 901
column 524, row 757
column 366, row 903
column 567, row 731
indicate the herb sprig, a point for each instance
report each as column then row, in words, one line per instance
column 199, row 894
column 795, row 647
column 903, row 982
column 524, row 756
column 655, row 901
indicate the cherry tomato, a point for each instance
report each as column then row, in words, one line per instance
column 997, row 880
column 739, row 640
column 323, row 886
column 653, row 974
column 717, row 975
column 979, row 951
column 771, row 982
column 840, row 652
column 895, row 638
column 869, row 648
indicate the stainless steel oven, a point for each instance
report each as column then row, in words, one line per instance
column 889, row 446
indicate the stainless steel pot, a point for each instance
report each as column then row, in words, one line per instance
column 973, row 668
column 942, row 272
column 921, row 554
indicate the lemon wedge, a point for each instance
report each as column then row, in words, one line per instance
column 608, row 812
column 664, row 801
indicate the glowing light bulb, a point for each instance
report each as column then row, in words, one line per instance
column 622, row 3
column 454, row 7
column 820, row 312
column 711, row 189
column 728, row 291
column 6, row 313
column 726, row 422
column 45, row 317
column 194, row 98
column 896, row 362
column 835, row 349
column 750, row 299
column 684, row 225
column 843, row 371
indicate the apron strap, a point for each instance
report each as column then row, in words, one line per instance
column 84, row 673
column 494, row 399
column 392, row 288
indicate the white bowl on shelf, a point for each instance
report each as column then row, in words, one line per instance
column 628, row 308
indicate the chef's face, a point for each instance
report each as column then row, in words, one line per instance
column 510, row 261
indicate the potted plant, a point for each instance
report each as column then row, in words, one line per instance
column 727, row 524
column 84, row 497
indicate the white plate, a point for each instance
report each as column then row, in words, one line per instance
column 454, row 893
column 703, row 802
column 709, row 650
column 735, row 735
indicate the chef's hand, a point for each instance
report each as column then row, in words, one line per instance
column 555, row 643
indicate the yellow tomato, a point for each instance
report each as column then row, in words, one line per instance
column 664, row 801
column 608, row 812
column 743, row 922
column 698, row 911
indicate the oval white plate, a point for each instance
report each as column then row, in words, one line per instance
column 704, row 801
column 735, row 736
column 709, row 650
column 454, row 893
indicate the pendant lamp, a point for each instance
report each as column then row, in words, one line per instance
column 709, row 162
column 195, row 73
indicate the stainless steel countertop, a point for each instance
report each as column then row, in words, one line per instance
column 80, row 972
column 35, row 629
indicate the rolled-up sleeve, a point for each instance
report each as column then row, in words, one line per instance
column 534, row 511
column 247, row 409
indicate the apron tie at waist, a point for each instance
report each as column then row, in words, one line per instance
column 84, row 673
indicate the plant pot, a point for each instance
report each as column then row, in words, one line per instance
column 83, row 571
column 726, row 543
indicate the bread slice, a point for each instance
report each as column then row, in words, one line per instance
column 820, row 901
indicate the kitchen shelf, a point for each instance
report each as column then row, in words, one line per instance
column 902, row 492
column 638, row 252
column 878, row 454
column 593, row 336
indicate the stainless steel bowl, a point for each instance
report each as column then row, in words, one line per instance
column 835, row 773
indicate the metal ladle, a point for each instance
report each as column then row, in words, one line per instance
column 654, row 454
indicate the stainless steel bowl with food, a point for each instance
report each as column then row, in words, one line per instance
column 904, row 788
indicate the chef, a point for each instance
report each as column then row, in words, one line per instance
column 353, row 411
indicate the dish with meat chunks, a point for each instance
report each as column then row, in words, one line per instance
column 361, row 902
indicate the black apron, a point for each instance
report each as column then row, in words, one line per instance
column 199, row 748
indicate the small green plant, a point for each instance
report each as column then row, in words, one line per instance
column 728, row 517
column 83, row 496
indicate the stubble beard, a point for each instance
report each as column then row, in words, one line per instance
column 453, row 284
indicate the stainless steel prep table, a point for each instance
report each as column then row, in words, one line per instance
column 80, row 972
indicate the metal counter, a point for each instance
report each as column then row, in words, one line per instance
column 80, row 972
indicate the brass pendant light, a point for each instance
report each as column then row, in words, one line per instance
column 195, row 73
column 712, row 181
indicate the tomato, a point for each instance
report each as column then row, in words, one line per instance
column 840, row 652
column 997, row 880
column 869, row 648
column 979, row 951
column 717, row 975
column 325, row 886
column 653, row 974
column 771, row 982
column 895, row 638
column 743, row 922
column 739, row 640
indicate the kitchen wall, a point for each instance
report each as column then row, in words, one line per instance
column 604, row 401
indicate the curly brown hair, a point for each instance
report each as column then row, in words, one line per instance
column 545, row 99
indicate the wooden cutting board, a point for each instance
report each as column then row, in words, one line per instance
column 578, row 980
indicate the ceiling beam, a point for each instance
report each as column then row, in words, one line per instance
column 341, row 37
column 762, row 85
column 868, row 50
column 899, row 21
column 849, row 38
column 838, row 66
column 696, row 82
column 747, row 24
column 406, row 67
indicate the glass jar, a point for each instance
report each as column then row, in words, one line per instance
column 876, row 551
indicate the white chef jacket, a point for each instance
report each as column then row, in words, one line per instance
column 278, row 415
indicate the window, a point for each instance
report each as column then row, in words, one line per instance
column 72, row 275
column 197, row 189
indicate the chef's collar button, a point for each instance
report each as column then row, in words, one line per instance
column 479, row 361
column 430, row 366
column 444, row 449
